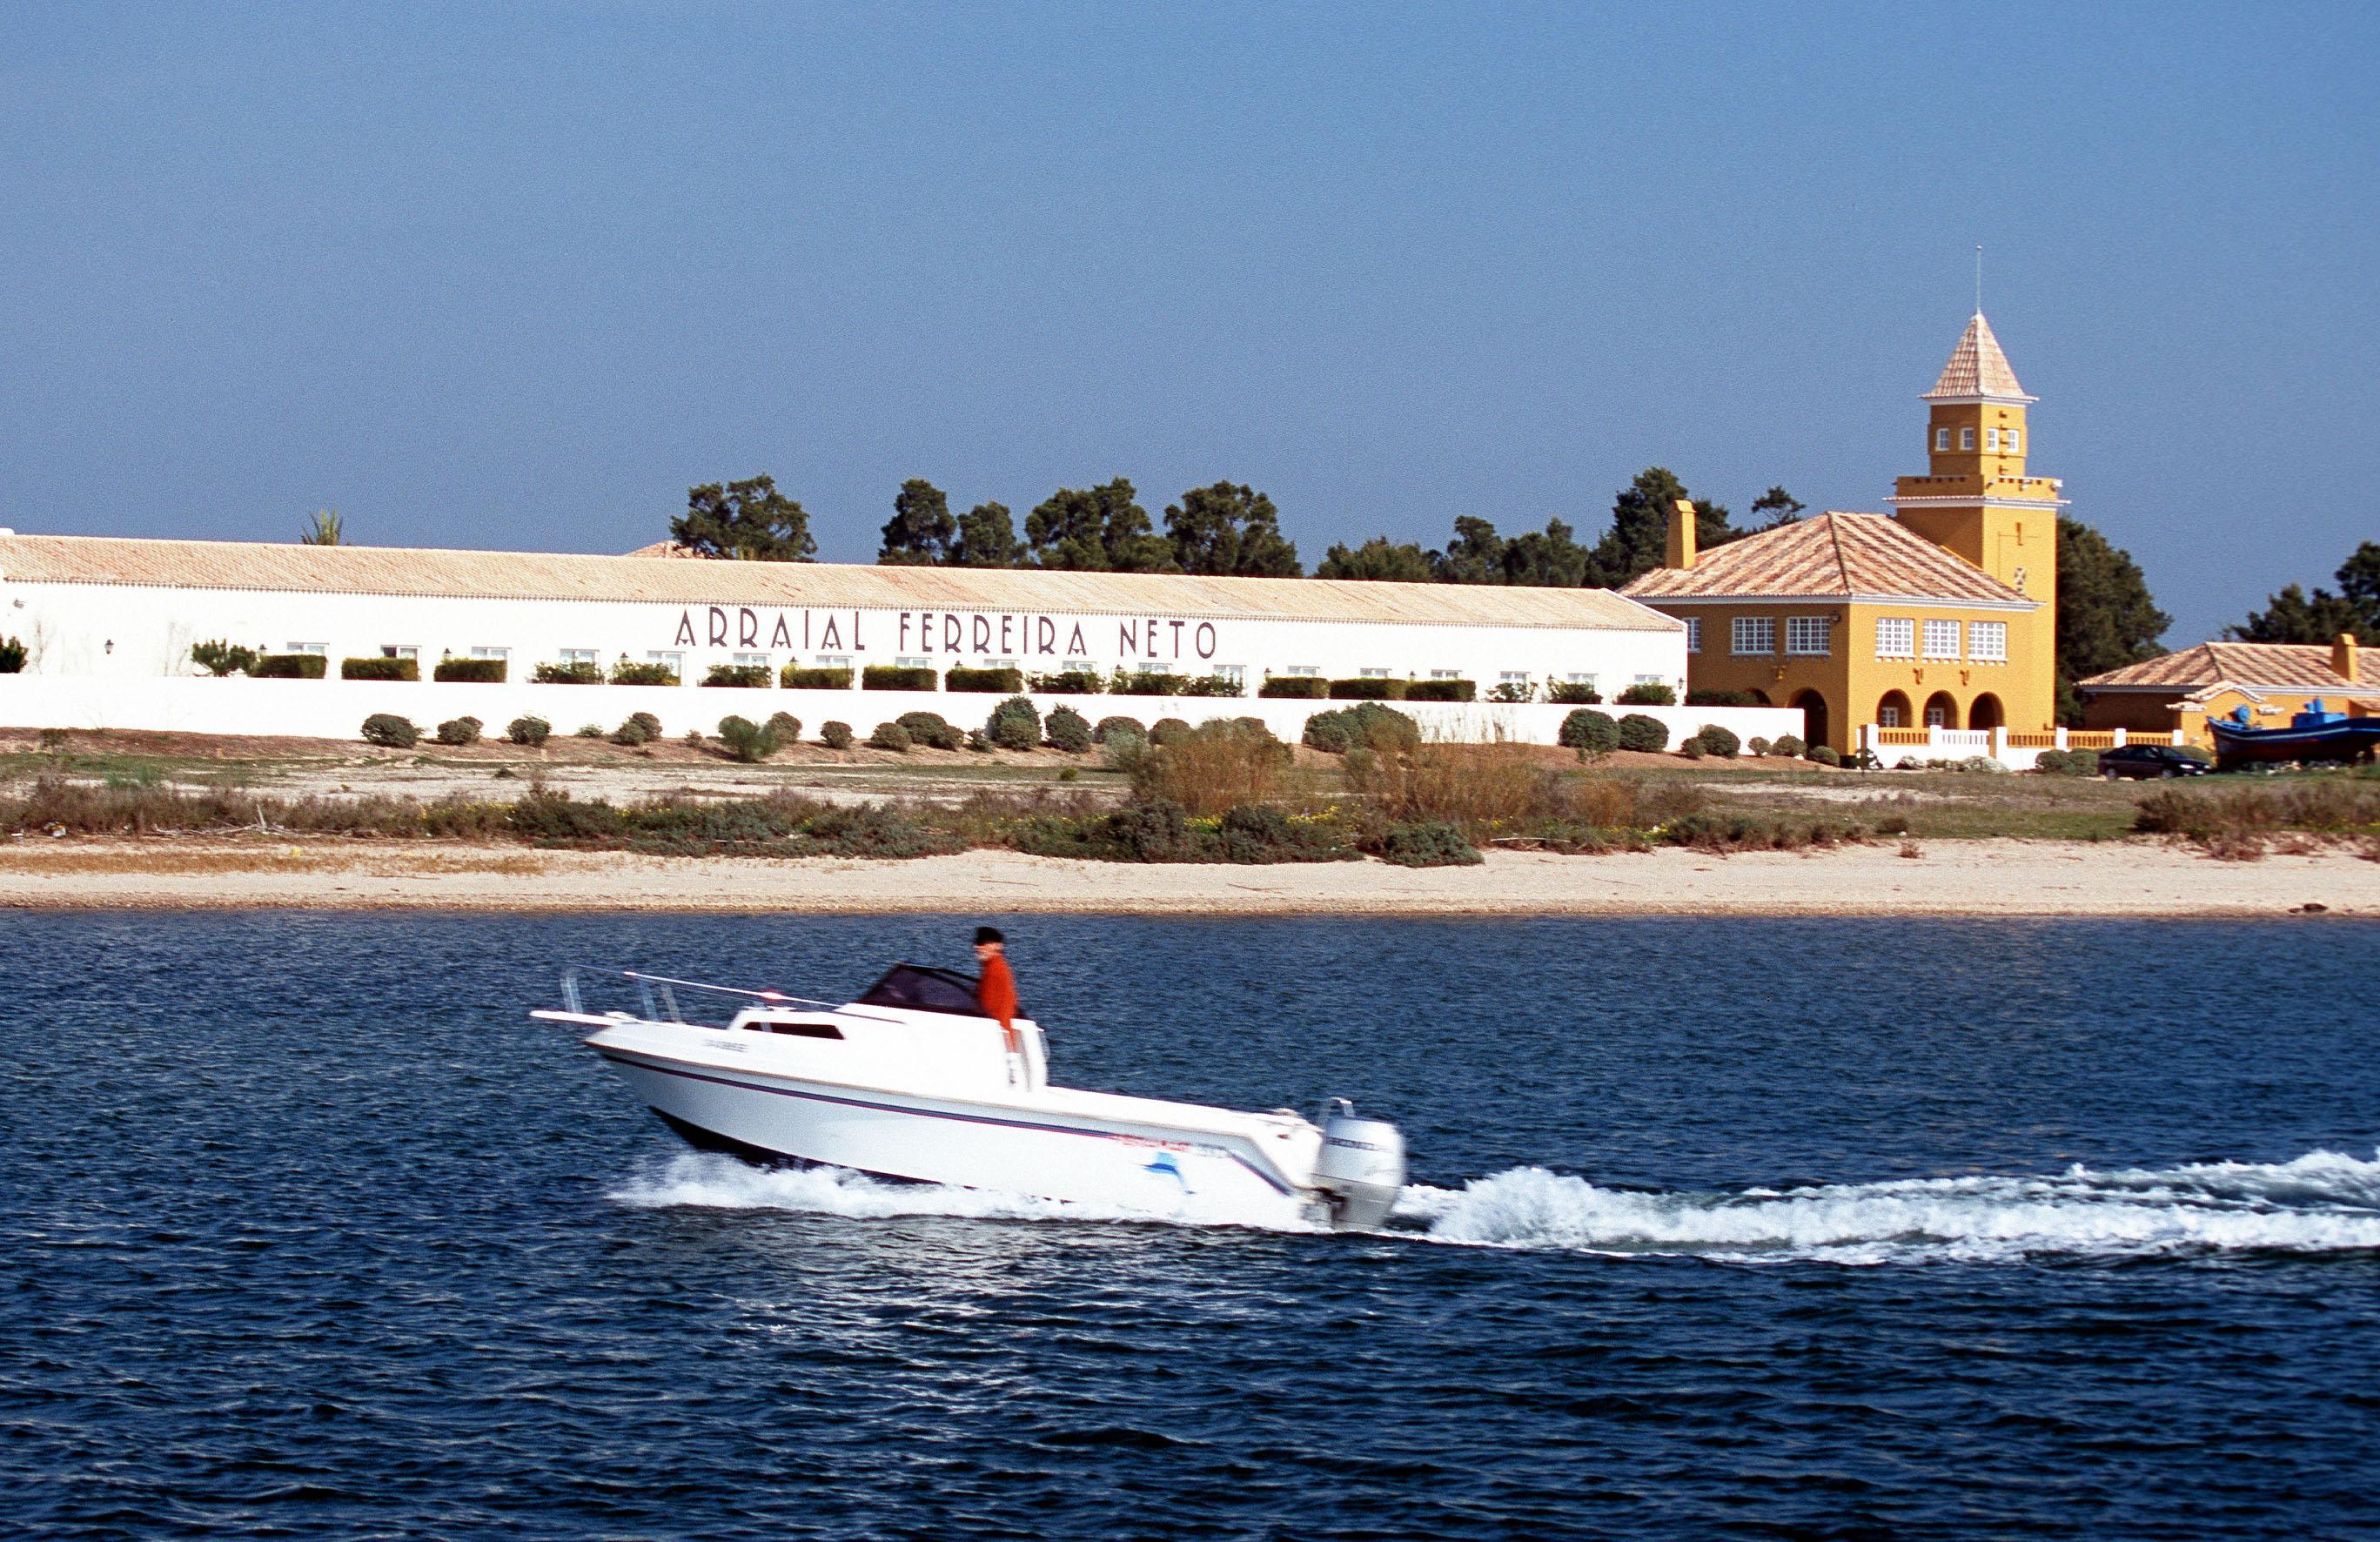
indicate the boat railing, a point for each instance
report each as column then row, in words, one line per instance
column 657, row 994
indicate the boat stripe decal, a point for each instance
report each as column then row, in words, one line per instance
column 642, row 1064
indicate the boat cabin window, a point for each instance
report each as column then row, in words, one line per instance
column 922, row 989
column 803, row 1030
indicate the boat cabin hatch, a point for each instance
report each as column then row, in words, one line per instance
column 922, row 988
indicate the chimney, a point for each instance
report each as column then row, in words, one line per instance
column 1679, row 550
column 2343, row 662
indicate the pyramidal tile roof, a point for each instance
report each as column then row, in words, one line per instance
column 1835, row 555
column 2259, row 665
column 1978, row 368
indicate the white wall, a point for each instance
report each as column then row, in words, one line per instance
column 128, row 632
column 333, row 708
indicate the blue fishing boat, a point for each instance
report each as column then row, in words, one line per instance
column 2313, row 734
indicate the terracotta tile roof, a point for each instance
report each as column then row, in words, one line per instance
column 1977, row 367
column 1833, row 555
column 2283, row 666
column 560, row 575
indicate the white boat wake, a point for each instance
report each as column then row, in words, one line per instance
column 2324, row 1202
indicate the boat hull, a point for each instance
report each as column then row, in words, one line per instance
column 2350, row 739
column 1013, row 1147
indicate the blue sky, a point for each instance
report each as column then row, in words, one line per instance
column 515, row 275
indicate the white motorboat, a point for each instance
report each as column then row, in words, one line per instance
column 911, row 1081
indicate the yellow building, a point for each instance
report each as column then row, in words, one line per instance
column 1942, row 615
column 2180, row 691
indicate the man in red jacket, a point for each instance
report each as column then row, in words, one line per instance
column 996, row 991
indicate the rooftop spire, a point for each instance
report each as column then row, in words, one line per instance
column 1977, row 368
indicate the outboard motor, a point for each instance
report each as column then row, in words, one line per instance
column 1361, row 1167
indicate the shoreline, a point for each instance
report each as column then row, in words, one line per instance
column 1978, row 877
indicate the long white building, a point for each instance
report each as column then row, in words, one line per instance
column 107, row 623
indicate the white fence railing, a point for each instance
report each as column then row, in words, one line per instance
column 2017, row 751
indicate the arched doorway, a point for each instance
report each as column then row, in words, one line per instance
column 1941, row 710
column 1815, row 727
column 1893, row 711
column 1986, row 713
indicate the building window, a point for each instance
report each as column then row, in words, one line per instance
column 1935, row 717
column 1159, row 667
column 1992, row 439
column 913, row 663
column 1693, row 634
column 1941, row 439
column 1895, row 638
column 1303, row 670
column 1237, row 674
column 1648, row 680
column 314, row 647
column 1755, row 635
column 1077, row 666
column 999, row 664
column 492, row 652
column 1371, row 675
column 1446, row 674
column 674, row 663
column 1586, row 680
column 1941, row 639
column 825, row 661
column 578, row 656
column 2009, row 439
column 1966, row 439
column 1987, row 641
column 1806, row 636
column 1889, row 716
column 400, row 651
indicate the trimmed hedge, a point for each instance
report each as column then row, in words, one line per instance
column 478, row 672
column 1593, row 733
column 835, row 735
column 897, row 677
column 1296, row 687
column 1367, row 688
column 1068, row 682
column 785, row 726
column 1573, row 693
column 1714, row 698
column 391, row 732
column 1068, row 730
column 1648, row 696
column 890, row 735
column 1441, row 690
column 459, row 731
column 1005, row 682
column 529, row 731
column 2067, row 762
column 379, row 669
column 290, row 666
column 625, row 672
column 1719, row 741
column 795, row 678
column 1825, row 754
column 1016, row 723
column 747, row 741
column 750, row 677
column 1787, row 744
column 578, row 672
column 1368, row 726
column 219, row 657
column 1166, row 730
column 1640, row 733
column 1118, row 725
column 931, row 730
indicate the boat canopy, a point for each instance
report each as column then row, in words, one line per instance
column 922, row 988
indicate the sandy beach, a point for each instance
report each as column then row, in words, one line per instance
column 1946, row 878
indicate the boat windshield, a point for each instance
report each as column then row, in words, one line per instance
column 922, row 988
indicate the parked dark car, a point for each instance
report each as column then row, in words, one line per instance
column 2138, row 760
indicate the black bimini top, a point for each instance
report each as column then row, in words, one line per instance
column 922, row 988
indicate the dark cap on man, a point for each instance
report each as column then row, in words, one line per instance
column 989, row 934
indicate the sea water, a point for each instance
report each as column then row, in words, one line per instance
column 1717, row 1228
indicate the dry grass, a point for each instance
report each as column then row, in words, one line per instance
column 153, row 859
column 2238, row 823
column 1210, row 771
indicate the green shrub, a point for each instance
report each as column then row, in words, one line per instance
column 529, row 731
column 459, row 731
column 794, row 677
column 218, row 658
column 1005, row 682
column 890, row 735
column 1573, row 693
column 931, row 730
column 1719, row 741
column 976, row 742
column 1295, row 687
column 578, row 672
column 1589, row 731
column 480, row 672
column 289, row 666
column 1711, row 698
column 786, row 727
column 1638, row 732
column 750, row 677
column 1825, row 754
column 1167, row 731
column 1758, row 747
column 747, row 741
column 1367, row 688
column 650, row 724
column 896, row 677
column 1068, row 730
column 391, row 732
column 632, row 731
column 1068, row 682
column 1368, row 726
column 835, row 735
column 1514, row 690
column 1426, row 843
column 1016, row 723
column 1649, row 695
column 12, row 655
column 1152, row 683
column 1693, row 748
column 1110, row 725
column 379, row 669
column 1122, row 749
column 590, row 730
column 1787, row 744
column 625, row 672
column 2067, row 762
column 1441, row 690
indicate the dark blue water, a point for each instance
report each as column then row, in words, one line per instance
column 1750, row 1229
